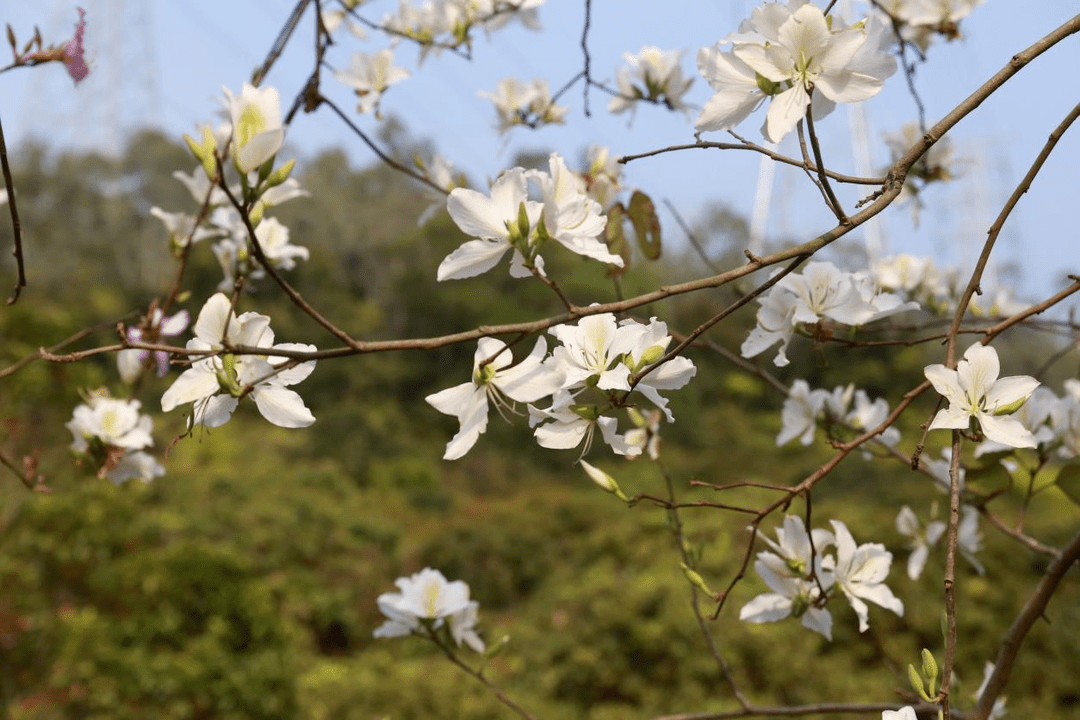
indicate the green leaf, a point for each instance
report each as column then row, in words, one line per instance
column 1069, row 481
column 642, row 214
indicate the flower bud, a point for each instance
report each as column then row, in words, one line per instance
column 604, row 481
column 930, row 671
column 696, row 580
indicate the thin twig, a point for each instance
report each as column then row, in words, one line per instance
column 16, row 229
column 279, row 44
column 703, row 626
column 691, row 237
column 499, row 694
column 747, row 145
column 837, row 209
column 375, row 148
column 295, row 296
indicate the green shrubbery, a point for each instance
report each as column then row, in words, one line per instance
column 243, row 583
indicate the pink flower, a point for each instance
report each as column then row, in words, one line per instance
column 74, row 54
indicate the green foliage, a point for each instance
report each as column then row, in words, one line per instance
column 243, row 584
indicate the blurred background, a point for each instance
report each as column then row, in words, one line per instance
column 243, row 583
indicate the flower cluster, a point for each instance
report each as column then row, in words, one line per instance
column 820, row 292
column 796, row 57
column 975, row 393
column 937, row 164
column 803, row 578
column 508, row 220
column 1053, row 422
column 110, row 434
column 370, row 75
column 215, row 382
column 921, row 540
column 437, row 24
column 256, row 136
column 805, row 409
column 920, row 21
column 602, row 176
column 587, row 377
column 520, row 103
column 427, row 602
column 654, row 75
column 918, row 279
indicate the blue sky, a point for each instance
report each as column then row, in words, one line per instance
column 163, row 62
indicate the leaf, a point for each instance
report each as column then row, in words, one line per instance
column 615, row 237
column 642, row 214
column 1069, row 481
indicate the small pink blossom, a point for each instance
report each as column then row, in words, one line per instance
column 74, row 53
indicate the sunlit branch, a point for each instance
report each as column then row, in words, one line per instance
column 995, row 228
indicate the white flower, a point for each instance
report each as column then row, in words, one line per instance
column 787, row 53
column 518, row 103
column 788, row 575
column 198, row 184
column 1033, row 415
column 181, row 226
column 653, row 74
column 603, row 178
column 860, row 574
column 113, row 421
column 278, row 194
column 867, row 415
column 370, row 75
column 791, row 596
column 800, row 412
column 974, row 391
column 921, row 20
column 589, row 352
column 821, row 291
column 920, row 541
column 463, row 626
column 646, row 431
column 824, row 291
column 565, row 424
column 775, row 324
column 738, row 92
column 649, row 346
column 136, row 465
column 256, row 121
column 493, row 379
column 110, row 433
column 904, row 713
column 497, row 222
column 215, row 383
column 273, row 238
column 428, row 599
column 939, row 471
column 1065, row 420
column 441, row 173
column 570, row 216
column 968, row 537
